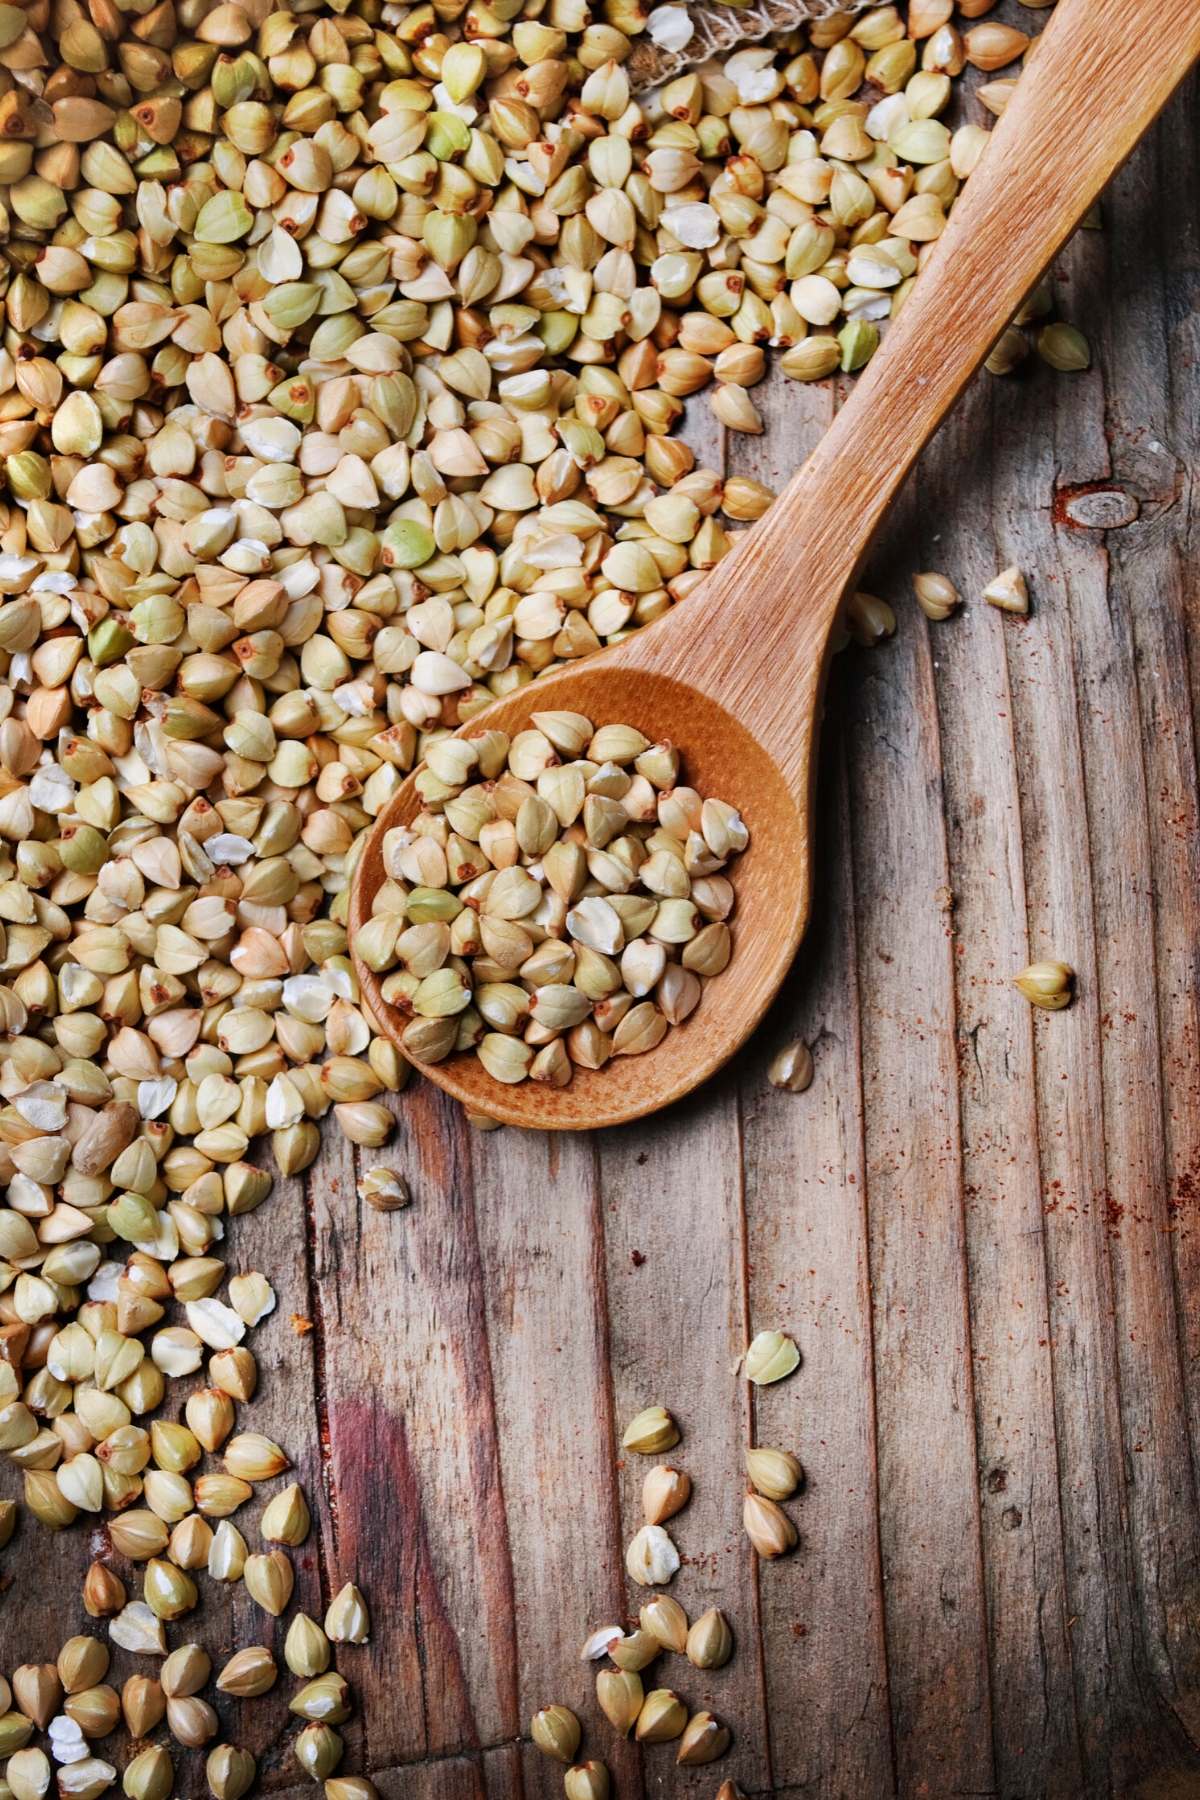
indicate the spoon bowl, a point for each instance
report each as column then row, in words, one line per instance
column 770, row 877
column 733, row 676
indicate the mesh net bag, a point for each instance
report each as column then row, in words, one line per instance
column 717, row 29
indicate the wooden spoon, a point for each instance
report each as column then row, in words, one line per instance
column 734, row 675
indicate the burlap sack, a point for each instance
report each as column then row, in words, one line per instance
column 719, row 29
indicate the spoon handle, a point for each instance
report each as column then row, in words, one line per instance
column 758, row 629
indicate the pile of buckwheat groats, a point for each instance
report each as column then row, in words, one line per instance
column 343, row 349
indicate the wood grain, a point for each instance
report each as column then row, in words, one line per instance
column 981, row 1224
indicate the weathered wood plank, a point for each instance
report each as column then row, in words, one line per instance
column 1070, row 859
column 936, row 1626
column 805, row 1196
column 1164, row 1535
column 677, row 1303
column 824, row 1652
column 946, row 526
column 1155, row 462
column 1155, row 326
column 542, row 1238
column 274, row 1238
column 412, row 1438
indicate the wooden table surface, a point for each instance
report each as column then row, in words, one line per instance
column 979, row 1222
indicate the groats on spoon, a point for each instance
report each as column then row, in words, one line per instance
column 734, row 675
column 628, row 1087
